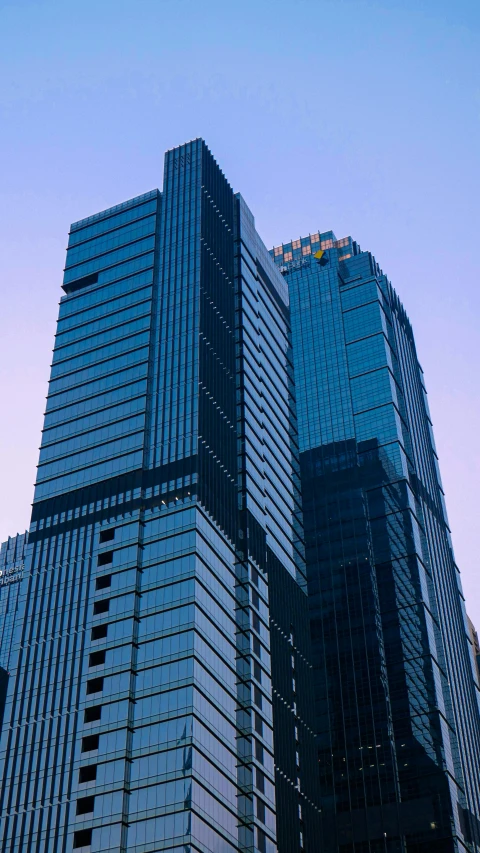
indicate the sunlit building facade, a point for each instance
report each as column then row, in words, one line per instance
column 397, row 713
column 160, row 691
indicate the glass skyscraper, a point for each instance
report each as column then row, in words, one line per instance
column 475, row 643
column 12, row 564
column 397, row 697
column 159, row 696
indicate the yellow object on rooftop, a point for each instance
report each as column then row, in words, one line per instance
column 319, row 254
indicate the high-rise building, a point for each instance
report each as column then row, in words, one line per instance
column 397, row 722
column 475, row 644
column 12, row 564
column 159, row 696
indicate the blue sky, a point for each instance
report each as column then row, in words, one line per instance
column 362, row 116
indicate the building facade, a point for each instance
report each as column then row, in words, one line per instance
column 12, row 566
column 161, row 678
column 475, row 643
column 397, row 708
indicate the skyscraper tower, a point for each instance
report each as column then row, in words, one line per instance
column 396, row 693
column 160, row 696
column 12, row 564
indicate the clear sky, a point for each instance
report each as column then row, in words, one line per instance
column 361, row 116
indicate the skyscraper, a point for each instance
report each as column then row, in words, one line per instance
column 160, row 695
column 12, row 564
column 475, row 643
column 397, row 701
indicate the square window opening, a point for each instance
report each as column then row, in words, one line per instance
column 107, row 535
column 82, row 838
column 85, row 805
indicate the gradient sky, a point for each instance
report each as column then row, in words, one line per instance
column 361, row 116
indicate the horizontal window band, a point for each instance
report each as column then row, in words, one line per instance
column 105, row 490
column 80, row 283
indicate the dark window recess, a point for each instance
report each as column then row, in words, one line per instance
column 99, row 632
column 259, row 751
column 107, row 535
column 254, row 576
column 82, row 838
column 105, row 559
column 90, row 742
column 260, row 809
column 255, row 599
column 104, row 582
column 72, row 286
column 257, row 671
column 257, row 696
column 260, row 780
column 261, row 841
column 88, row 774
column 256, row 622
column 97, row 658
column 258, row 724
column 101, row 606
column 256, row 646
column 93, row 714
column 95, row 685
column 85, row 805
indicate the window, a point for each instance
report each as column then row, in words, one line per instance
column 93, row 714
column 258, row 724
column 301, row 840
column 261, row 841
column 256, row 646
column 300, row 811
column 256, row 622
column 88, row 773
column 257, row 671
column 306, row 250
column 255, row 599
column 278, row 250
column 296, row 244
column 105, row 558
column 107, row 535
column 258, row 751
column 99, row 632
column 95, row 685
column 297, row 758
column 90, row 742
column 97, row 658
column 260, row 780
column 294, row 685
column 257, row 696
column 104, row 582
column 292, row 661
column 82, row 838
column 287, row 256
column 260, row 810
column 101, row 607
column 85, row 805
